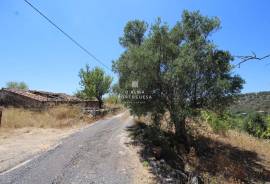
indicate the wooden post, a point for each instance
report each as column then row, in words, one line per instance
column 1, row 110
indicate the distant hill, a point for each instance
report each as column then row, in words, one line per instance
column 251, row 102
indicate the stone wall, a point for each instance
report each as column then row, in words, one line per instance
column 15, row 100
column 84, row 104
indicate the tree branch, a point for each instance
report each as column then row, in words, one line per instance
column 250, row 57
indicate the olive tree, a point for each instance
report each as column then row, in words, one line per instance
column 180, row 67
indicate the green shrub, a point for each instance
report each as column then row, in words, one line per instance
column 218, row 122
column 112, row 99
column 256, row 125
column 267, row 119
column 236, row 122
column 266, row 134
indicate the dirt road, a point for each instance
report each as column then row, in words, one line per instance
column 97, row 154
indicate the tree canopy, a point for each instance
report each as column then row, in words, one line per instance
column 94, row 83
column 180, row 67
column 133, row 33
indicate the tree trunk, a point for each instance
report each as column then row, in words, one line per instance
column 180, row 129
column 100, row 103
column 1, row 109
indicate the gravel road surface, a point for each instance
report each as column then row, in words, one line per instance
column 96, row 154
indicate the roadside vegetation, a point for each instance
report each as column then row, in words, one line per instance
column 112, row 101
column 56, row 117
column 223, row 156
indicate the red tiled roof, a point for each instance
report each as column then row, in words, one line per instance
column 27, row 94
column 42, row 96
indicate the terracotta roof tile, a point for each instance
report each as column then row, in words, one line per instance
column 27, row 94
column 43, row 96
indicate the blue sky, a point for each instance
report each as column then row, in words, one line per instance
column 33, row 51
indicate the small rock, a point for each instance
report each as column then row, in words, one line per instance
column 194, row 180
column 182, row 174
column 153, row 163
column 168, row 179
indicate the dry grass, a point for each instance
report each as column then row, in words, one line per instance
column 234, row 158
column 248, row 142
column 237, row 139
column 57, row 117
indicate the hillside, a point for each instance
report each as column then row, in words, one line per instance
column 250, row 102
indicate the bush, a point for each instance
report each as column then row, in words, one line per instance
column 256, row 125
column 236, row 122
column 266, row 134
column 112, row 99
column 220, row 123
